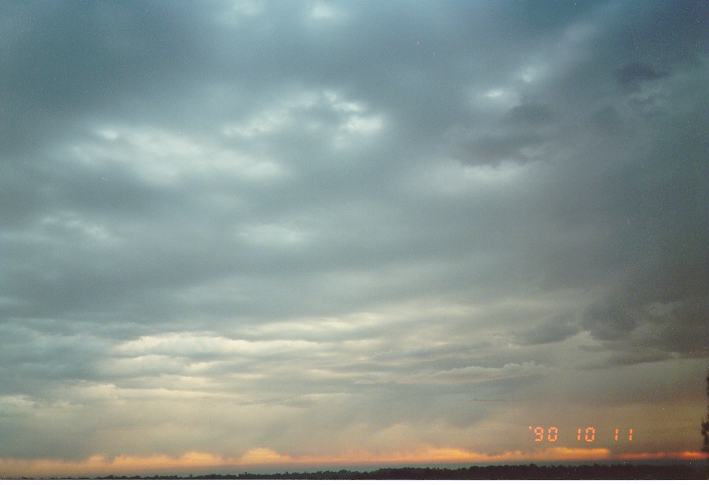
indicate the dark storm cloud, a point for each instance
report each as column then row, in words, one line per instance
column 295, row 202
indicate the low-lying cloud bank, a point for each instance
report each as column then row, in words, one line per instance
column 263, row 458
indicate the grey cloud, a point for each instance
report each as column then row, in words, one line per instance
column 491, row 149
column 442, row 201
column 530, row 113
column 554, row 331
column 631, row 75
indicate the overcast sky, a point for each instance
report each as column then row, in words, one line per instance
column 245, row 233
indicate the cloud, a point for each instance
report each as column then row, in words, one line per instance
column 343, row 219
column 196, row 462
column 631, row 75
column 202, row 462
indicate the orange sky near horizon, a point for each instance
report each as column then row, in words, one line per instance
column 264, row 458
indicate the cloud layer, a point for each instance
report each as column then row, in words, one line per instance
column 326, row 228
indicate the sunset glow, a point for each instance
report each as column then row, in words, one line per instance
column 99, row 465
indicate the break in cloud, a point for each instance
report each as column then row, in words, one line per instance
column 351, row 229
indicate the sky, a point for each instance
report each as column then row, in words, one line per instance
column 239, row 234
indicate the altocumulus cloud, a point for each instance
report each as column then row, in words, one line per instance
column 332, row 228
